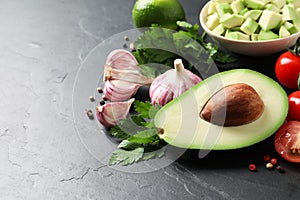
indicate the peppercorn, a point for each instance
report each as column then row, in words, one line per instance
column 104, row 98
column 252, row 167
column 90, row 114
column 266, row 158
column 279, row 169
column 100, row 90
column 269, row 166
column 92, row 99
column 102, row 102
column 274, row 161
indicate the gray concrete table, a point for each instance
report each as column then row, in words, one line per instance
column 43, row 44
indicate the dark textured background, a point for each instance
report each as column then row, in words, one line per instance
column 41, row 156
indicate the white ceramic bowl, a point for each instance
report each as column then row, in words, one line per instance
column 249, row 48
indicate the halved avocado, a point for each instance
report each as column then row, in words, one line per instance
column 181, row 126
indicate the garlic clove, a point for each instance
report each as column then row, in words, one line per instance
column 119, row 59
column 172, row 83
column 160, row 93
column 130, row 75
column 111, row 113
column 119, row 90
column 122, row 76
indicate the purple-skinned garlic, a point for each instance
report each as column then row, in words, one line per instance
column 111, row 113
column 172, row 83
column 122, row 76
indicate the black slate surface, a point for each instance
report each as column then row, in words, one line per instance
column 43, row 44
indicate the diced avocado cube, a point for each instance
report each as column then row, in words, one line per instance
column 283, row 32
column 231, row 20
column 223, row 8
column 272, row 8
column 211, row 8
column 237, row 6
column 253, row 14
column 269, row 20
column 288, row 12
column 238, row 36
column 266, row 1
column 219, row 30
column 296, row 23
column 290, row 27
column 267, row 35
column 224, row 1
column 212, row 16
column 212, row 21
column 226, row 32
column 255, row 4
column 278, row 3
column 254, row 37
column 249, row 26
column 244, row 11
column 297, row 12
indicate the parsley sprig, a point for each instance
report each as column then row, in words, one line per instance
column 163, row 46
column 138, row 136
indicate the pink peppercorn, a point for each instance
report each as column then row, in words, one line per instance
column 274, row 161
column 252, row 167
column 266, row 158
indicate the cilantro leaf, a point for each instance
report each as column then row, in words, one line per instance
column 138, row 135
column 158, row 153
column 148, row 136
column 212, row 49
column 152, row 70
column 127, row 127
column 126, row 157
column 163, row 46
column 126, row 144
column 146, row 109
column 117, row 132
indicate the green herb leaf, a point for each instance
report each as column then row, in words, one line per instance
column 152, row 70
column 128, row 127
column 125, row 144
column 147, row 136
column 126, row 157
column 158, row 153
column 136, row 133
column 163, row 46
column 146, row 109
column 117, row 132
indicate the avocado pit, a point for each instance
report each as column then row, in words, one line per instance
column 233, row 105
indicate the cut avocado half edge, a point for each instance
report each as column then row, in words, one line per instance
column 181, row 126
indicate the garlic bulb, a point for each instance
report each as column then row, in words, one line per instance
column 122, row 76
column 172, row 83
column 110, row 114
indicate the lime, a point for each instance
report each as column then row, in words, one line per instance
column 162, row 12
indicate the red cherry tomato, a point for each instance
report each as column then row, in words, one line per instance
column 287, row 69
column 294, row 106
column 287, row 141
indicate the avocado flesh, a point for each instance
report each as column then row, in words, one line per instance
column 182, row 126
